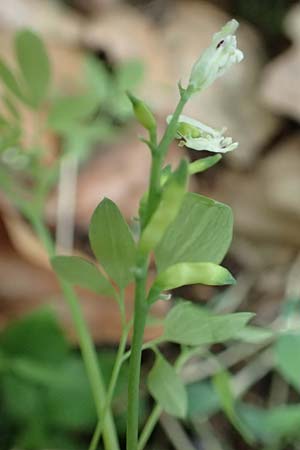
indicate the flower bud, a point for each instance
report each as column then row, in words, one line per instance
column 142, row 113
column 217, row 58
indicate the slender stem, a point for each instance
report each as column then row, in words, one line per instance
column 159, row 153
column 140, row 315
column 148, row 345
column 111, row 388
column 155, row 188
column 86, row 344
column 141, row 307
column 171, row 129
column 149, row 426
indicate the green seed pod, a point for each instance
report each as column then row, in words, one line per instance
column 182, row 274
column 142, row 113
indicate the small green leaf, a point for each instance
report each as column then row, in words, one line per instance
column 221, row 382
column 129, row 74
column 20, row 399
column 79, row 272
column 34, row 64
column 191, row 325
column 97, row 77
column 112, row 242
column 200, row 165
column 63, row 398
column 202, row 400
column 287, row 346
column 272, row 426
column 167, row 388
column 11, row 107
column 37, row 336
column 68, row 110
column 254, row 335
column 201, row 232
column 8, row 79
column 167, row 210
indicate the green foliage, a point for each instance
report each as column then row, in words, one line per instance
column 66, row 112
column 112, row 242
column 167, row 210
column 80, row 272
column 189, row 324
column 254, row 335
column 274, row 427
column 44, row 391
column 200, row 165
column 189, row 235
column 203, row 400
column 167, row 388
column 37, row 335
column 288, row 364
column 34, row 65
column 97, row 77
column 79, row 120
column 201, row 232
column 222, row 385
column 9, row 81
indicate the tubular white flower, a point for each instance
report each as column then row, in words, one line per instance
column 217, row 58
column 198, row 136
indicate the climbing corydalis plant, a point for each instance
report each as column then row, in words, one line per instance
column 188, row 235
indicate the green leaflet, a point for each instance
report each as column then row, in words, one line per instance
column 221, row 382
column 200, row 165
column 254, row 335
column 201, row 232
column 286, row 357
column 37, row 336
column 11, row 107
column 129, row 74
column 97, row 77
column 79, row 272
column 167, row 388
column 112, row 242
column 34, row 65
column 8, row 79
column 167, row 210
column 203, row 400
column 191, row 325
column 272, row 426
column 67, row 111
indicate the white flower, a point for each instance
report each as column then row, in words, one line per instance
column 217, row 58
column 198, row 136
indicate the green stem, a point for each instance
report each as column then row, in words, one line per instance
column 171, row 129
column 140, row 315
column 87, row 347
column 159, row 154
column 149, row 426
column 140, row 303
column 111, row 389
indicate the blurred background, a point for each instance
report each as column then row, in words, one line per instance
column 147, row 46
